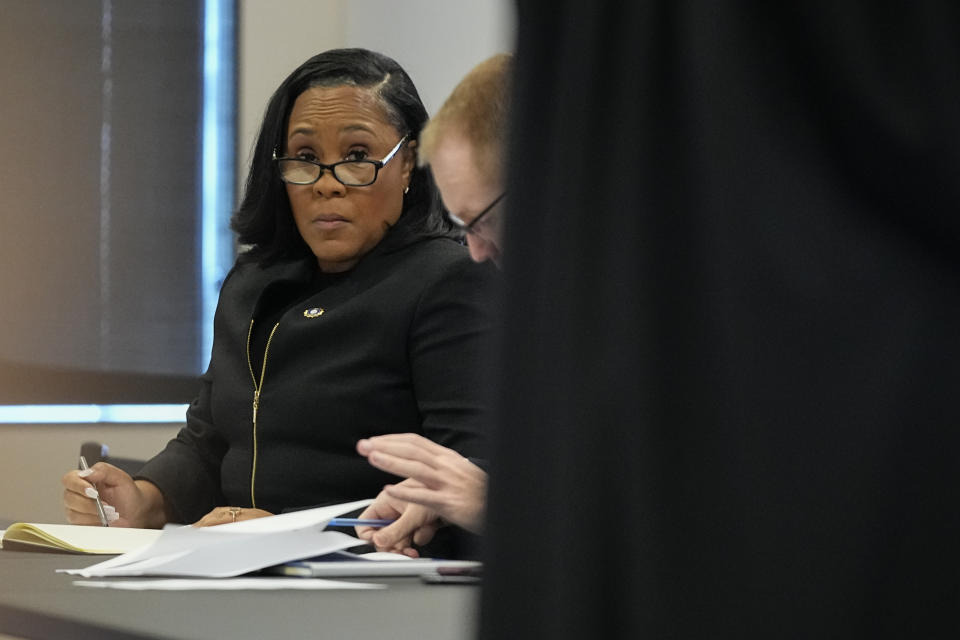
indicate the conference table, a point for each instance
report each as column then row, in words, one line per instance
column 37, row 602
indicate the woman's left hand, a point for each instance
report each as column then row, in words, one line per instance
column 226, row 515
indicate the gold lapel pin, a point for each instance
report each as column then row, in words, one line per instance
column 315, row 312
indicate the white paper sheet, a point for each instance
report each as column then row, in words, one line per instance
column 232, row 549
column 225, row 584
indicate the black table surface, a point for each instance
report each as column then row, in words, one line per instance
column 37, row 602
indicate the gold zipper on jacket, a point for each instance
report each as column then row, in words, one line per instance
column 257, row 386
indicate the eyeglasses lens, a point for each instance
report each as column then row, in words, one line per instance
column 356, row 173
column 298, row 172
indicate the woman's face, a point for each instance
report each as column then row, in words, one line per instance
column 339, row 223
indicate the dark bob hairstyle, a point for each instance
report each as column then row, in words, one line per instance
column 264, row 220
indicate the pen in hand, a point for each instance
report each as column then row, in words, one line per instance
column 359, row 522
column 100, row 511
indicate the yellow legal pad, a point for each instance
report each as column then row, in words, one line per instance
column 70, row 538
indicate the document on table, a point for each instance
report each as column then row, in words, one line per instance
column 225, row 584
column 232, row 549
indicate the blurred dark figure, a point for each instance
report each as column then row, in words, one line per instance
column 732, row 360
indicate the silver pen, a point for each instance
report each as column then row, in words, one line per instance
column 100, row 511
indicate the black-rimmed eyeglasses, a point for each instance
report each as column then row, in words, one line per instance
column 474, row 225
column 350, row 173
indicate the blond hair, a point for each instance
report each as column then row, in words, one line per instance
column 477, row 110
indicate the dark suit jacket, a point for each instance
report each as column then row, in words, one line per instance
column 396, row 349
column 751, row 306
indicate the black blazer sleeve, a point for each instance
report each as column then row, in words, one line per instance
column 189, row 467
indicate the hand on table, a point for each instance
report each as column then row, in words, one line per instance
column 441, row 479
column 226, row 515
column 415, row 524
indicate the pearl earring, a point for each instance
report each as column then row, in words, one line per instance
column 406, row 189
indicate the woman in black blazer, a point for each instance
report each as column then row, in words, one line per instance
column 351, row 313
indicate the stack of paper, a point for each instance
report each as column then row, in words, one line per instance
column 343, row 564
column 232, row 549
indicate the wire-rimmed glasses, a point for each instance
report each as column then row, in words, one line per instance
column 474, row 225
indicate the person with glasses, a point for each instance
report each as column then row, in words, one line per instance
column 464, row 147
column 352, row 312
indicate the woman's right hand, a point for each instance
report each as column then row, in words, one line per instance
column 126, row 502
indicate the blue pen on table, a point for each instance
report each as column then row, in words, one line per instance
column 100, row 511
column 359, row 522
